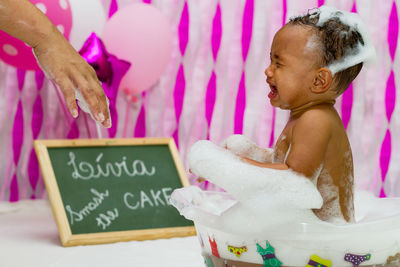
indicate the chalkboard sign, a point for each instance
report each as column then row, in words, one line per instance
column 109, row 190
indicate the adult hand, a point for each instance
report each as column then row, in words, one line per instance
column 62, row 64
column 57, row 58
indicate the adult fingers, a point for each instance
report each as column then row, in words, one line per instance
column 102, row 102
column 89, row 94
column 67, row 88
column 90, row 76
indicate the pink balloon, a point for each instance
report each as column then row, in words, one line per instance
column 140, row 34
column 17, row 53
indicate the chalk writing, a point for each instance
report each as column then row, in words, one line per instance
column 152, row 199
column 105, row 220
column 91, row 206
column 86, row 171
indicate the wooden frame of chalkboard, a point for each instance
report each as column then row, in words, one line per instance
column 72, row 237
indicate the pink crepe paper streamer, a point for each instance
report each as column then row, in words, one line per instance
column 390, row 97
column 36, row 125
column 385, row 154
column 180, row 83
column 247, row 28
column 272, row 136
column 212, row 83
column 240, row 106
column 74, row 130
column 384, row 159
column 113, row 8
column 347, row 105
column 18, row 137
column 127, row 112
column 284, row 11
column 210, row 100
column 347, row 97
column 140, row 128
column 393, row 31
column 184, row 29
column 66, row 113
column 216, row 32
column 85, row 117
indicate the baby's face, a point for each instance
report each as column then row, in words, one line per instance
column 293, row 67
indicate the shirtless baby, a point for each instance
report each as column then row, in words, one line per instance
column 314, row 141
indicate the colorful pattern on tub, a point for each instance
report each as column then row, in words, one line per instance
column 356, row 259
column 268, row 255
column 214, row 248
column 316, row 261
column 237, row 250
column 208, row 261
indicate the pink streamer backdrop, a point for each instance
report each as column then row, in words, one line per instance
column 390, row 97
column 208, row 91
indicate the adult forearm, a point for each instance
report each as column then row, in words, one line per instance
column 21, row 19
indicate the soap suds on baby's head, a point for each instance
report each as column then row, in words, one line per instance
column 313, row 43
column 363, row 51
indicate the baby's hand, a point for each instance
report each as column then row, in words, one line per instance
column 62, row 64
column 238, row 144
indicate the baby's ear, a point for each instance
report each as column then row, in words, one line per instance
column 322, row 81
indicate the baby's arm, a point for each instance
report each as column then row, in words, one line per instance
column 310, row 138
column 276, row 166
column 245, row 148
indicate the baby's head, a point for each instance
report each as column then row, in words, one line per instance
column 329, row 48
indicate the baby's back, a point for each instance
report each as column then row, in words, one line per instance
column 335, row 182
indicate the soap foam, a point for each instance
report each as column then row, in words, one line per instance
column 362, row 52
column 265, row 196
column 244, row 147
column 275, row 205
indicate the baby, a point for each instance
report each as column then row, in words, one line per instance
column 314, row 58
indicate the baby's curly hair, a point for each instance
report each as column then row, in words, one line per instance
column 336, row 40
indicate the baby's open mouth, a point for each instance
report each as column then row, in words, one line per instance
column 273, row 92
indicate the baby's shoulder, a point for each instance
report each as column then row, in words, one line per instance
column 316, row 118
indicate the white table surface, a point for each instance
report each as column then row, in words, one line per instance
column 29, row 237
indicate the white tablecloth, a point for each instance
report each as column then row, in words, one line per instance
column 29, row 237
